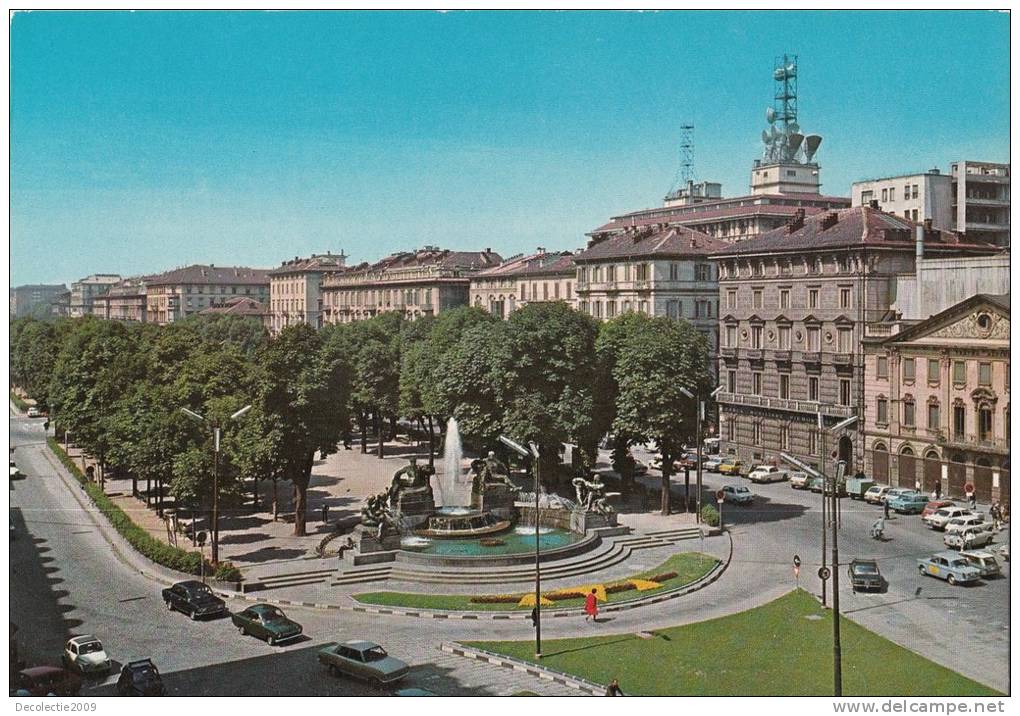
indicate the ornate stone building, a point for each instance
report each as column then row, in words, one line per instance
column 936, row 401
column 794, row 308
column 416, row 283
column 177, row 294
column 542, row 276
column 295, row 289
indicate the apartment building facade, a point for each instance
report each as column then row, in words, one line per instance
column 416, row 283
column 183, row 292
column 124, row 301
column 295, row 290
column 918, row 197
column 659, row 270
column 937, row 404
column 794, row 307
column 85, row 290
column 34, row 299
column 981, row 200
column 520, row 280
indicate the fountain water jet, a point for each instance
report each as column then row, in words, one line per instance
column 451, row 481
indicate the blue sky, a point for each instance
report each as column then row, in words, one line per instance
column 144, row 141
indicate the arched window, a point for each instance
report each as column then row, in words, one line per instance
column 880, row 462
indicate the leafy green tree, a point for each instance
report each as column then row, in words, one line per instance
column 655, row 358
column 376, row 380
column 303, row 397
column 34, row 346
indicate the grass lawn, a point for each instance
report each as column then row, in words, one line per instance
column 689, row 566
column 774, row 650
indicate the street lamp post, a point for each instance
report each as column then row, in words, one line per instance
column 700, row 439
column 837, row 655
column 216, row 474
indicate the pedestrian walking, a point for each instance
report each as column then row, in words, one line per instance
column 938, row 490
column 885, row 508
column 325, row 513
column 591, row 606
column 614, row 689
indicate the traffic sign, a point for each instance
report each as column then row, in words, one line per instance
column 719, row 494
column 824, row 573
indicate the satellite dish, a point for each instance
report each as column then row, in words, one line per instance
column 795, row 139
column 779, row 74
column 794, row 128
column 775, row 132
column 765, row 136
column 811, row 143
column 770, row 115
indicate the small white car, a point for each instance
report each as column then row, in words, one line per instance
column 738, row 494
column 34, row 412
column 938, row 519
column 896, row 492
column 968, row 538
column 86, row 655
column 984, row 562
column 767, row 473
column 971, row 521
column 876, row 494
column 712, row 463
column 799, row 480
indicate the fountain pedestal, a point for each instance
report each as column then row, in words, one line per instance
column 415, row 505
column 581, row 521
column 497, row 499
column 366, row 540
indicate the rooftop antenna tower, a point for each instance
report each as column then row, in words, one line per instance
column 685, row 175
column 783, row 139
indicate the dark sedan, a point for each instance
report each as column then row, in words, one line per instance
column 194, row 599
column 140, row 678
column 865, row 575
column 46, row 680
column 266, row 622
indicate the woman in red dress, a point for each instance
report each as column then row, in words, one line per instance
column 591, row 607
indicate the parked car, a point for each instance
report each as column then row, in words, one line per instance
column 266, row 622
column 140, row 678
column 17, row 474
column 940, row 518
column 857, row 486
column 712, row 463
column 362, row 660
column 968, row 538
column 815, row 484
column 194, row 599
column 730, row 466
column 86, row 655
column 949, row 566
column 984, row 562
column 864, row 574
column 976, row 521
column 799, row 480
column 934, row 505
column 895, row 492
column 46, row 680
column 34, row 412
column 737, row 494
column 767, row 473
column 875, row 494
column 688, row 460
column 908, row 503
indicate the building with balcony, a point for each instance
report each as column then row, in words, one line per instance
column 980, row 195
column 34, row 299
column 84, row 291
column 124, row 301
column 60, row 305
column 186, row 291
column 533, row 278
column 936, row 401
column 418, row 283
column 794, row 308
column 295, row 289
column 918, row 197
column 659, row 270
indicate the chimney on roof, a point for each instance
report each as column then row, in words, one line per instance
column 830, row 220
column 540, row 250
column 796, row 222
column 488, row 250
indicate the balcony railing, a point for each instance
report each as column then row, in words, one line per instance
column 972, row 442
column 811, row 356
column 727, row 352
column 754, row 353
column 842, row 358
column 795, row 406
column 782, row 356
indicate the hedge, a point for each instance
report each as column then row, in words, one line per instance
column 160, row 553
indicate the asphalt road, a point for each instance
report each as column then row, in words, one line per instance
column 65, row 580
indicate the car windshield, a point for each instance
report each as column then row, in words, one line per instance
column 959, row 563
column 200, row 590
column 740, row 489
column 144, row 673
column 866, row 568
column 90, row 647
column 376, row 653
column 273, row 615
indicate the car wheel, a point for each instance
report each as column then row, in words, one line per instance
column 333, row 671
column 242, row 631
column 169, row 606
column 271, row 640
column 194, row 614
column 951, row 579
column 921, row 569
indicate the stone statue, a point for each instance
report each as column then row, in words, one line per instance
column 409, row 477
column 592, row 496
column 477, row 476
column 375, row 513
column 493, row 471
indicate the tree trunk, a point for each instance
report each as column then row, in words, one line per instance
column 393, row 428
column 134, row 484
column 159, row 496
column 687, row 488
column 255, row 494
column 379, row 434
column 301, row 495
column 148, row 491
column 432, row 444
column 363, row 423
column 276, row 502
column 667, row 471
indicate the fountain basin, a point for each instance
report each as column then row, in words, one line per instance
column 450, row 524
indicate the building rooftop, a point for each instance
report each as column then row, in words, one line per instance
column 433, row 256
column 658, row 241
column 844, row 228
column 541, row 263
column 933, row 172
column 316, row 262
column 202, row 274
column 237, row 306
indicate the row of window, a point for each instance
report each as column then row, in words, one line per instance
column 755, row 435
column 757, row 382
column 388, row 297
column 533, row 296
column 813, row 296
column 611, row 273
column 934, row 370
column 782, row 337
column 784, row 267
column 985, row 416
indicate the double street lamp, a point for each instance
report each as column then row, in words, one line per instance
column 700, row 438
column 216, row 472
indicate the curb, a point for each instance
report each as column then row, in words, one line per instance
column 531, row 669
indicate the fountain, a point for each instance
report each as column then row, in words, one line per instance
column 451, row 482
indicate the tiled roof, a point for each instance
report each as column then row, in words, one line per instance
column 316, row 262
column 857, row 226
column 668, row 242
column 220, row 275
column 543, row 263
column 433, row 256
column 238, row 306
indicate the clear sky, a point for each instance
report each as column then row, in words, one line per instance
column 145, row 141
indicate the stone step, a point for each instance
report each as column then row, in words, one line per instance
column 280, row 584
column 289, row 575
